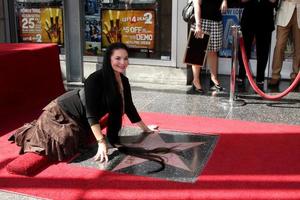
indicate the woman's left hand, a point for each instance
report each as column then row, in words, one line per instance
column 102, row 151
column 147, row 129
column 151, row 128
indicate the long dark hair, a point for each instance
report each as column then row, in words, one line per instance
column 112, row 94
column 114, row 124
column 110, row 83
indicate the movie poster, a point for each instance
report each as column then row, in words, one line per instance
column 41, row 25
column 92, row 7
column 92, row 35
column 92, row 31
column 230, row 17
column 135, row 28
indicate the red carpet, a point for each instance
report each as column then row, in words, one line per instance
column 251, row 161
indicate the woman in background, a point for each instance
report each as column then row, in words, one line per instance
column 208, row 19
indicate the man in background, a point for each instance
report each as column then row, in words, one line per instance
column 288, row 20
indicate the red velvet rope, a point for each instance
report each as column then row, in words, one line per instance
column 253, row 84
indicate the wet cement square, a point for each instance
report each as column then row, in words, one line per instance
column 192, row 152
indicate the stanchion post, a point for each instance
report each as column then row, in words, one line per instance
column 234, row 65
column 234, row 61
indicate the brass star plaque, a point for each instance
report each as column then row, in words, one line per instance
column 184, row 165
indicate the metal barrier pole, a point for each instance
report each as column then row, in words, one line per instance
column 234, row 65
column 234, row 60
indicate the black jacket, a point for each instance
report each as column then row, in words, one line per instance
column 258, row 15
column 92, row 105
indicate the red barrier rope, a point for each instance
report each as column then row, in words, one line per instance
column 253, row 84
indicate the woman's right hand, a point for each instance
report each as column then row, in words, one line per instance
column 102, row 152
column 198, row 31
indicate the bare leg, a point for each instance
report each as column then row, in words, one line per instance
column 196, row 76
column 212, row 59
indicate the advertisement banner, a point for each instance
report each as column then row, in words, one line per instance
column 92, row 35
column 92, row 7
column 230, row 17
column 135, row 28
column 43, row 25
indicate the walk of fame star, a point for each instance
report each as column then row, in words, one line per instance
column 193, row 151
column 154, row 141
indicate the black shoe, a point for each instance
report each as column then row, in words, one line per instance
column 292, row 81
column 260, row 83
column 240, row 81
column 273, row 82
column 217, row 88
column 197, row 90
column 211, row 83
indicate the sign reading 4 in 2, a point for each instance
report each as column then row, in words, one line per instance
column 136, row 28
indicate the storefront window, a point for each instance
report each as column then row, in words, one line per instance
column 140, row 24
column 40, row 21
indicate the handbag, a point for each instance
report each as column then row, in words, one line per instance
column 188, row 12
column 195, row 52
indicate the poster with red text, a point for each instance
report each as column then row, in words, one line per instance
column 135, row 28
column 41, row 25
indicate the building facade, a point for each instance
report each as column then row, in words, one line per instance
column 153, row 30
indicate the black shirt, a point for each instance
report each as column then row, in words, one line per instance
column 210, row 9
column 258, row 16
column 93, row 106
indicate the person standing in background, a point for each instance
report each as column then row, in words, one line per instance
column 257, row 23
column 288, row 21
column 208, row 19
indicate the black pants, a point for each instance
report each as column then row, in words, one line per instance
column 263, row 41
